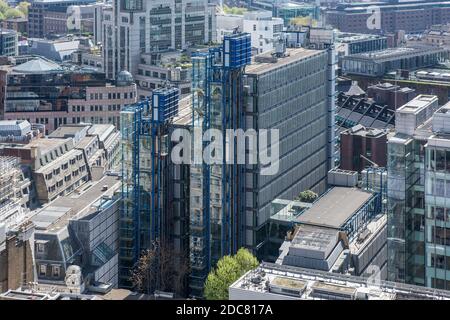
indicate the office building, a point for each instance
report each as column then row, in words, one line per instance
column 19, row 24
column 131, row 28
column 263, row 29
column 226, row 217
column 389, row 94
column 354, row 43
column 344, row 231
column 155, row 190
column 65, row 95
column 226, row 23
column 155, row 70
column 67, row 159
column 290, row 10
column 50, row 16
column 378, row 63
column 362, row 147
column 417, row 250
column 408, row 188
column 410, row 16
column 79, row 230
column 8, row 43
column 274, row 282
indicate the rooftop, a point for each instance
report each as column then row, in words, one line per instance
column 37, row 65
column 399, row 52
column 80, row 203
column 315, row 238
column 307, row 284
column 335, row 207
column 417, row 104
column 45, row 145
column 346, row 37
column 66, row 131
column 362, row 131
column 292, row 55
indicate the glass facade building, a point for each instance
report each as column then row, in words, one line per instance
column 418, row 196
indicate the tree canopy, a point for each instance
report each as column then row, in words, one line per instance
column 13, row 13
column 227, row 271
column 303, row 21
column 234, row 10
column 23, row 7
column 307, row 196
column 7, row 12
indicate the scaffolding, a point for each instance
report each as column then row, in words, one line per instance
column 145, row 149
column 217, row 190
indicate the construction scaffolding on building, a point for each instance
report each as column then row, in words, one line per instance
column 217, row 190
column 145, row 150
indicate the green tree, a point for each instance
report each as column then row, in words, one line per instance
column 2, row 17
column 23, row 7
column 228, row 270
column 13, row 13
column 3, row 6
column 307, row 196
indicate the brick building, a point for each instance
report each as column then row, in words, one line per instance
column 392, row 95
column 359, row 142
column 412, row 17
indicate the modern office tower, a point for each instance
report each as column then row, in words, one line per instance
column 8, row 43
column 135, row 27
column 406, row 191
column 292, row 91
column 45, row 16
column 216, row 200
column 155, row 190
column 437, row 202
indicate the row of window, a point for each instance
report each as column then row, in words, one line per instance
column 113, row 107
column 153, row 74
column 55, row 270
column 111, row 95
column 67, row 178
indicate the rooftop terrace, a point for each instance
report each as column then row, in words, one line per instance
column 335, row 207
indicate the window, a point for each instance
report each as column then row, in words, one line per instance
column 40, row 247
column 55, row 271
column 42, row 269
column 438, row 261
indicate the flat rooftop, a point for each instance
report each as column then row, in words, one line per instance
column 417, row 104
column 399, row 52
column 292, row 55
column 314, row 238
column 360, row 130
column 346, row 37
column 304, row 284
column 335, row 207
column 57, row 213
